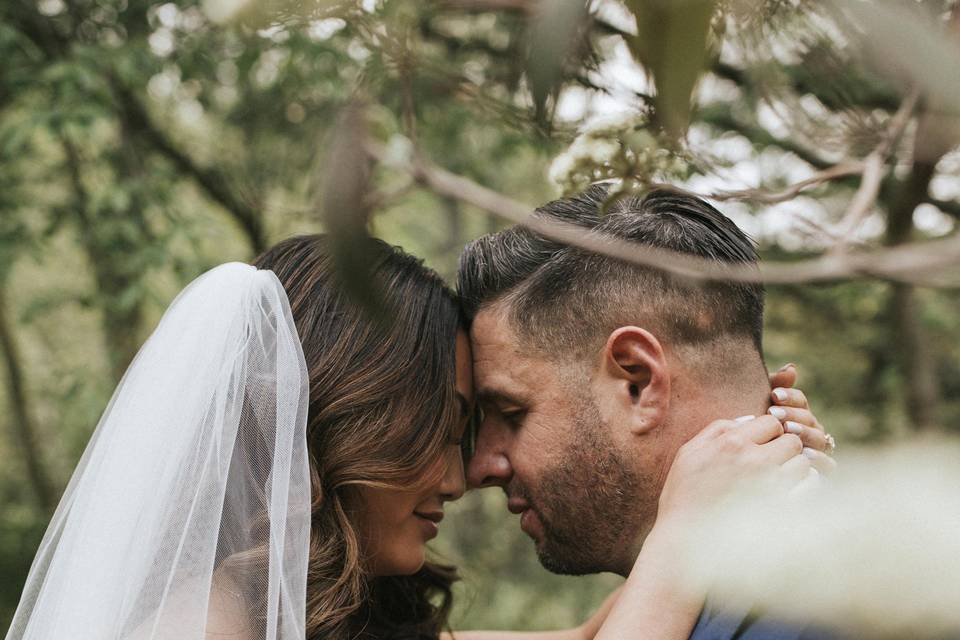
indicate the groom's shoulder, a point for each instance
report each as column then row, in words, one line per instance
column 765, row 629
column 721, row 625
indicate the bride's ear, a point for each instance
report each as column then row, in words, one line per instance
column 634, row 380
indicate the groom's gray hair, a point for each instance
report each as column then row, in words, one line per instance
column 566, row 300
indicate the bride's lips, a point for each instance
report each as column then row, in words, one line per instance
column 429, row 522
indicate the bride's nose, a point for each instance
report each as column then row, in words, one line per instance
column 453, row 483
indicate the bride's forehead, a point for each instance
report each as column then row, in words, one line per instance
column 464, row 367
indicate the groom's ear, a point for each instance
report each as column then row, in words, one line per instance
column 635, row 379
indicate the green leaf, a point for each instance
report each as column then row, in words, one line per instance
column 672, row 44
column 907, row 44
column 344, row 207
column 553, row 33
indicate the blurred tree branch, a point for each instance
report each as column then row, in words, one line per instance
column 910, row 263
column 212, row 181
column 874, row 167
column 871, row 96
column 841, row 170
column 721, row 118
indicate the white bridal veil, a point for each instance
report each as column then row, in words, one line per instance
column 192, row 500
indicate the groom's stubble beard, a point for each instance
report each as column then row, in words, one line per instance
column 592, row 504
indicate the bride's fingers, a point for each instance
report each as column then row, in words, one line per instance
column 786, row 376
column 820, row 461
column 801, row 422
column 760, row 430
column 781, row 449
column 801, row 416
column 811, row 438
column 784, row 397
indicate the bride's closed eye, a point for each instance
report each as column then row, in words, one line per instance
column 468, row 439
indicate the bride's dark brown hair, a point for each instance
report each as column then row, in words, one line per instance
column 383, row 407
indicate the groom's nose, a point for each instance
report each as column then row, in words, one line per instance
column 489, row 466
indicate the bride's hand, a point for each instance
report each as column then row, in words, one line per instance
column 721, row 457
column 790, row 406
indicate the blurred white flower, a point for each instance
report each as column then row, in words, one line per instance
column 221, row 11
column 875, row 551
column 561, row 168
column 399, row 151
column 161, row 42
column 614, row 123
column 325, row 29
column 616, row 146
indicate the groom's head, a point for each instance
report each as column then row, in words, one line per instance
column 593, row 372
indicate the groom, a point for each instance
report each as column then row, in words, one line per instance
column 567, row 343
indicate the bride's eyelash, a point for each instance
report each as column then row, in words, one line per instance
column 468, row 440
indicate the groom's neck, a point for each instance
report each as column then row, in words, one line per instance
column 737, row 387
column 731, row 401
column 714, row 403
column 730, row 384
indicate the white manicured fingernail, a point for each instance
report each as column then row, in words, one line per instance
column 780, row 394
column 793, row 427
column 744, row 418
column 778, row 412
column 810, row 453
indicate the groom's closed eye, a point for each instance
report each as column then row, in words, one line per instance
column 513, row 417
column 503, row 405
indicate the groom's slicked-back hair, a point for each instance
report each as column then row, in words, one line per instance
column 565, row 300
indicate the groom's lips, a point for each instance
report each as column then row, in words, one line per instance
column 517, row 505
column 529, row 521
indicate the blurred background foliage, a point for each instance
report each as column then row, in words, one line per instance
column 143, row 142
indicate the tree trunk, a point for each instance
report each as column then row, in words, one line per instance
column 109, row 251
column 917, row 362
column 915, row 358
column 24, row 429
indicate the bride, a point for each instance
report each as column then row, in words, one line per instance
column 274, row 461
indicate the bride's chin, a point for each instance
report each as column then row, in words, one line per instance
column 415, row 561
column 405, row 563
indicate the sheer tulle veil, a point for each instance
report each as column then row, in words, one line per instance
column 192, row 499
